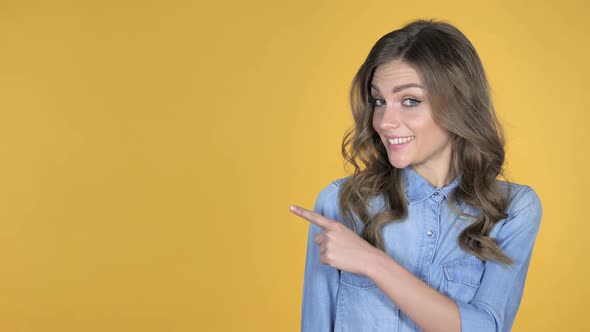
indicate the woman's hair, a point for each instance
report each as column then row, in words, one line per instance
column 458, row 91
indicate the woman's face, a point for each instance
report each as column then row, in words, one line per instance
column 403, row 119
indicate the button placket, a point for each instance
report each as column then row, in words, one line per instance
column 431, row 228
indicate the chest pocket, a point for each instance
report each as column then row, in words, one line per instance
column 355, row 280
column 463, row 277
column 362, row 306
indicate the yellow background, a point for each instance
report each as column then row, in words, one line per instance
column 150, row 149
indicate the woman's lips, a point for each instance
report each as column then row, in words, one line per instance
column 397, row 143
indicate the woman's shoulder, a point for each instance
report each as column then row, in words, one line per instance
column 336, row 184
column 327, row 201
column 517, row 193
column 332, row 190
column 524, row 202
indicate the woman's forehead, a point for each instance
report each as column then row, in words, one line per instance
column 395, row 72
column 395, row 76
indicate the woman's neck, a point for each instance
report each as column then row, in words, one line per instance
column 437, row 177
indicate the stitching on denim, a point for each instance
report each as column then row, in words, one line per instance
column 455, row 280
column 468, row 261
column 340, row 326
column 359, row 286
column 369, row 285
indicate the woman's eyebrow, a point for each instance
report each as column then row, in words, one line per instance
column 400, row 87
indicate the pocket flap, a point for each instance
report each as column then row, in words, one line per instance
column 356, row 280
column 467, row 271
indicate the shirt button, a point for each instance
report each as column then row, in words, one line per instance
column 429, row 233
column 436, row 193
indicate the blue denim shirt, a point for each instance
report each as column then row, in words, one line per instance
column 425, row 243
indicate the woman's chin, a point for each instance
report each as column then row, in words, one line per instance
column 399, row 163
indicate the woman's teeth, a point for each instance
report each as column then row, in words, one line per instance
column 401, row 140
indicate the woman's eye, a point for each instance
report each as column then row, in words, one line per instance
column 410, row 102
column 377, row 102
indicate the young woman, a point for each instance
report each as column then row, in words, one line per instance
column 422, row 236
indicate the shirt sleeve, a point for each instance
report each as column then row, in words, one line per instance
column 497, row 299
column 321, row 282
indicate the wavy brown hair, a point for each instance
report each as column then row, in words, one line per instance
column 458, row 90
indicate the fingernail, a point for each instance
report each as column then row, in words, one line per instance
column 293, row 208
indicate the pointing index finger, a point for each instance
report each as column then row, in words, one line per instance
column 314, row 218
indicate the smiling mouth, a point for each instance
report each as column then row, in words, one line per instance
column 400, row 140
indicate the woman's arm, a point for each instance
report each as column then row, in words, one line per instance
column 320, row 282
column 428, row 308
column 345, row 250
column 320, row 288
column 496, row 301
column 495, row 304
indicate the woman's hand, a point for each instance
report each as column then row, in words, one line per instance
column 340, row 247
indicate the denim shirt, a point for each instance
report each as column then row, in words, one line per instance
column 425, row 243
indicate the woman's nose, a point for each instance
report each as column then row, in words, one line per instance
column 389, row 119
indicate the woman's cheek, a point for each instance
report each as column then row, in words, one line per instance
column 377, row 117
column 376, row 121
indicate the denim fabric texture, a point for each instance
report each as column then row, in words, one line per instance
column 487, row 293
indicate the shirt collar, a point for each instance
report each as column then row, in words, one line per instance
column 418, row 189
